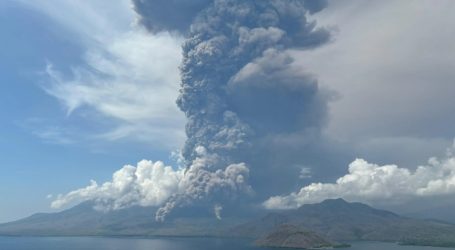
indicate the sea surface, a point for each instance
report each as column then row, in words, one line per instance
column 101, row 243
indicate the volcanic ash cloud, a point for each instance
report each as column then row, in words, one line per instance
column 240, row 90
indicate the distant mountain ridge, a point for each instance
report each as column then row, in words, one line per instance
column 84, row 220
column 332, row 221
column 339, row 220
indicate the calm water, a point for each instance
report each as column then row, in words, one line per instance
column 91, row 243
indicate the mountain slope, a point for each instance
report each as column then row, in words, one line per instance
column 343, row 221
column 288, row 236
column 136, row 221
column 335, row 220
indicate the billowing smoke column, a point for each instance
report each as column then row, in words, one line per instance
column 239, row 88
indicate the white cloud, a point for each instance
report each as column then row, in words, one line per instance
column 147, row 184
column 305, row 173
column 54, row 135
column 156, row 185
column 128, row 76
column 133, row 80
column 217, row 210
column 367, row 182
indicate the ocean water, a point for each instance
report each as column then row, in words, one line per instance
column 98, row 243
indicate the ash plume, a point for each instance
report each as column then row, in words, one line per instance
column 252, row 114
column 239, row 87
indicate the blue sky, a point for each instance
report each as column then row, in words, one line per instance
column 45, row 150
column 85, row 89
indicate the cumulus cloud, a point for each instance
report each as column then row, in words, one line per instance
column 147, row 184
column 368, row 182
column 153, row 184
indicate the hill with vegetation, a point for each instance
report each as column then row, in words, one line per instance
column 343, row 221
column 315, row 224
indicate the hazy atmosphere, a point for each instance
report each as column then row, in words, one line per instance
column 227, row 108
